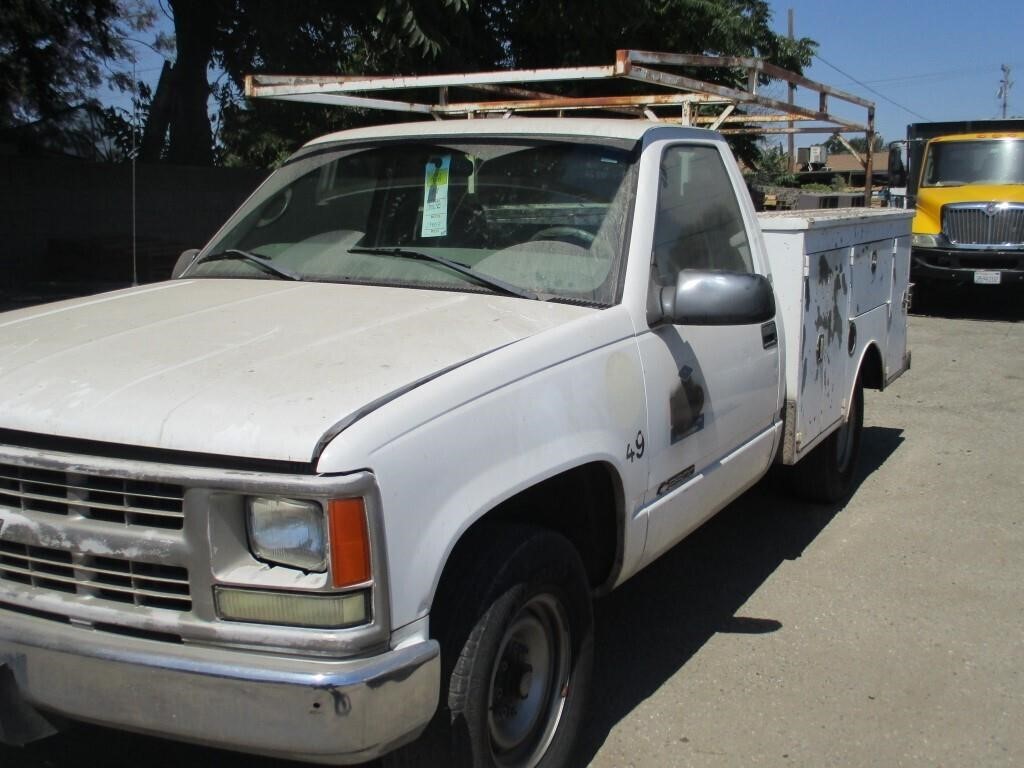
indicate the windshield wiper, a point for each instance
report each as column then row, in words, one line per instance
column 455, row 266
column 238, row 254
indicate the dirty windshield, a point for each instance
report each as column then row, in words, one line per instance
column 533, row 219
column 956, row 163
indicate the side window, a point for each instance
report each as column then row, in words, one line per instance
column 698, row 224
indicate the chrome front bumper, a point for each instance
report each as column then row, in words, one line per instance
column 321, row 711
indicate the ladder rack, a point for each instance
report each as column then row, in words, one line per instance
column 671, row 96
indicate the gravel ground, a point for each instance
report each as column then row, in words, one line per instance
column 884, row 632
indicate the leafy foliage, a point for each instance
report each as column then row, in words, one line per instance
column 772, row 168
column 578, row 32
column 568, row 32
column 409, row 18
column 418, row 36
column 836, row 184
column 859, row 143
column 324, row 37
column 53, row 53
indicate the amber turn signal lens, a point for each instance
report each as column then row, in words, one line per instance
column 350, row 542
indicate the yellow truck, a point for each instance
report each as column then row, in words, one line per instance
column 966, row 181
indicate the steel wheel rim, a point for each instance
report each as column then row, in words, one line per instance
column 529, row 683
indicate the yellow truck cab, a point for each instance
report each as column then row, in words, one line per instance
column 967, row 184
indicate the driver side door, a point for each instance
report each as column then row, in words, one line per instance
column 713, row 391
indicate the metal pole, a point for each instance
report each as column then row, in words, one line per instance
column 792, row 95
column 869, row 159
column 135, row 122
column 1004, row 87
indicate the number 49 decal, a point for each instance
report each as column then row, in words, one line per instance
column 635, row 450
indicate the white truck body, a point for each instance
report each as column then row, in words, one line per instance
column 136, row 426
column 831, row 269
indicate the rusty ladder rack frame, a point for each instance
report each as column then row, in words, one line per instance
column 680, row 92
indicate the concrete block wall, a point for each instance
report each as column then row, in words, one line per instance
column 66, row 222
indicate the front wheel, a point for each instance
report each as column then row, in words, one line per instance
column 516, row 630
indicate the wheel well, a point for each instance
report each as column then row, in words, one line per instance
column 871, row 372
column 581, row 504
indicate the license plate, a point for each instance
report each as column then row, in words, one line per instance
column 987, row 277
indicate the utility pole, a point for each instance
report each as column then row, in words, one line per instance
column 792, row 93
column 1004, row 87
column 135, row 154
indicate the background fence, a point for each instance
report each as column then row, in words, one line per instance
column 67, row 224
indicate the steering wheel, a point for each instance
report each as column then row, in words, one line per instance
column 570, row 234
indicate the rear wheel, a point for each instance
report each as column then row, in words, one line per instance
column 516, row 631
column 826, row 474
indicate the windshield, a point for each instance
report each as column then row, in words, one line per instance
column 991, row 161
column 538, row 219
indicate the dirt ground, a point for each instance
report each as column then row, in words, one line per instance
column 888, row 631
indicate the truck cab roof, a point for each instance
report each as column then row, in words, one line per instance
column 610, row 128
column 980, row 136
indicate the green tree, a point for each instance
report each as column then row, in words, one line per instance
column 859, row 143
column 53, row 53
column 414, row 37
column 316, row 37
column 543, row 33
column 486, row 34
column 177, row 125
column 242, row 36
column 772, row 168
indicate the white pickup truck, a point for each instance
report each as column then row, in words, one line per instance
column 348, row 484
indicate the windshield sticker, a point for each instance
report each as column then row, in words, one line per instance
column 435, row 197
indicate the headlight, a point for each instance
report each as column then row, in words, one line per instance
column 926, row 241
column 288, row 532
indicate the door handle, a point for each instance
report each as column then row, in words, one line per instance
column 769, row 335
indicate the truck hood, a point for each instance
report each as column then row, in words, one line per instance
column 928, row 219
column 248, row 368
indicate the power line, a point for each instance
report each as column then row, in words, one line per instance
column 868, row 87
column 936, row 75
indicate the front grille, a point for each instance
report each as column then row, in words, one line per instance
column 94, row 497
column 103, row 578
column 100, row 545
column 984, row 224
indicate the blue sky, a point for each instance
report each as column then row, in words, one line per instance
column 937, row 60
column 918, row 60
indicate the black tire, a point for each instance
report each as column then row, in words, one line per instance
column 515, row 623
column 826, row 474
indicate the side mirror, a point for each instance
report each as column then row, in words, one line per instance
column 184, row 262
column 897, row 171
column 714, row 298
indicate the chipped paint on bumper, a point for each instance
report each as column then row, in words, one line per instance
column 325, row 711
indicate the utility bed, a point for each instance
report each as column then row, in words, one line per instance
column 841, row 278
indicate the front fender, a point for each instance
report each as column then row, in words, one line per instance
column 550, row 412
